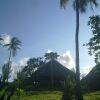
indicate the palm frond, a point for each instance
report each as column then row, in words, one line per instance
column 63, row 3
column 14, row 45
column 18, row 48
column 83, row 4
column 93, row 3
column 6, row 45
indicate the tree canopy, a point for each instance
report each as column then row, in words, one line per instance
column 83, row 4
column 32, row 65
column 6, row 70
column 94, row 42
column 51, row 56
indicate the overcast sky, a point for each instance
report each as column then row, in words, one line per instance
column 42, row 25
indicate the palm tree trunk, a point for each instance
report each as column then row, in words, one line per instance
column 9, row 56
column 9, row 64
column 78, row 87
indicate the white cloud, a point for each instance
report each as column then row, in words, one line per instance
column 48, row 51
column 14, row 70
column 86, row 69
column 23, row 62
column 6, row 39
column 16, row 67
column 66, row 59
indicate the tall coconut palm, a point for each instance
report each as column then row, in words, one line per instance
column 79, row 6
column 13, row 46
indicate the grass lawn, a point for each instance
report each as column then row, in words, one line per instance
column 92, row 96
column 43, row 95
column 53, row 95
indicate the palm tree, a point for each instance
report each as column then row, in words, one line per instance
column 13, row 46
column 79, row 6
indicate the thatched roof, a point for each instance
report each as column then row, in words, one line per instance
column 92, row 80
column 52, row 69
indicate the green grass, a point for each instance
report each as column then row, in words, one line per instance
column 53, row 95
column 43, row 95
column 92, row 96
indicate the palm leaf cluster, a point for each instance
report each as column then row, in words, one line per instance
column 83, row 4
column 14, row 45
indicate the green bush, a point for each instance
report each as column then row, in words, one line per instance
column 69, row 89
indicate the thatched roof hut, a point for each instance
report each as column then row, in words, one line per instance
column 52, row 73
column 92, row 80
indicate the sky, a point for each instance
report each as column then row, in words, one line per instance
column 42, row 26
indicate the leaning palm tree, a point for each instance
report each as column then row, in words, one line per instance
column 13, row 46
column 79, row 6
